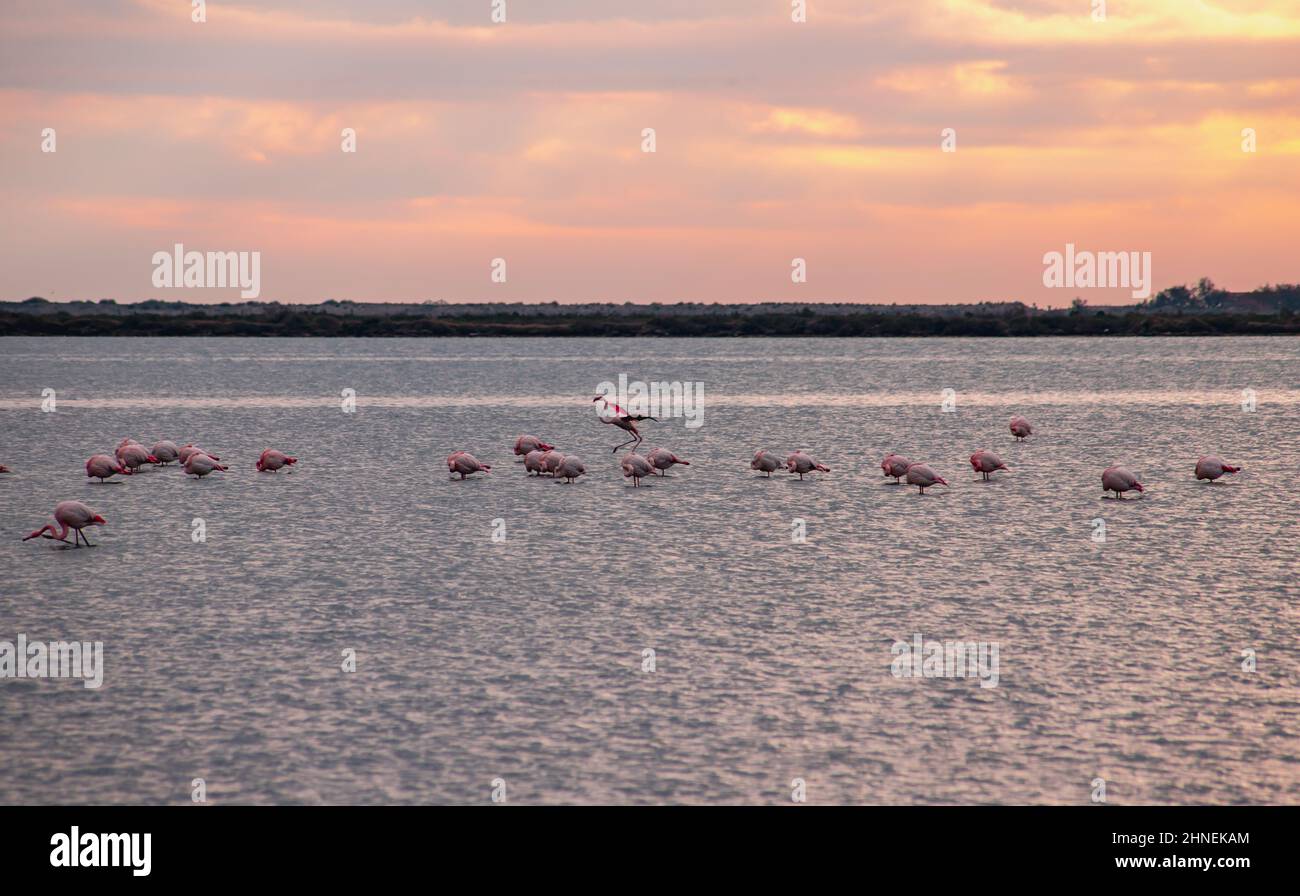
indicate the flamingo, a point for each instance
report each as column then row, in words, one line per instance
column 101, row 466
column 69, row 515
column 923, row 477
column 166, row 451
column 765, row 462
column 526, row 444
column 135, row 456
column 802, row 463
column 1020, row 427
column 570, row 468
column 986, row 463
column 635, row 466
column 1211, row 467
column 551, row 461
column 272, row 460
column 533, row 461
column 200, row 465
column 189, row 451
column 464, row 463
column 1119, row 479
column 661, row 459
column 623, row 420
column 895, row 465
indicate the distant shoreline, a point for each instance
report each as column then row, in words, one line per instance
column 1178, row 311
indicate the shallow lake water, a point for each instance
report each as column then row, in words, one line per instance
column 525, row 659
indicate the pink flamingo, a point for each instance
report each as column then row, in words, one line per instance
column 166, row 452
column 623, row 420
column 69, row 515
column 1211, row 467
column 1119, row 479
column 101, row 466
column 986, row 463
column 272, row 460
column 527, row 444
column 571, row 468
column 133, row 457
column 201, row 465
column 1020, row 427
column 895, row 465
column 802, row 463
column 551, row 461
column 765, row 462
column 635, row 466
column 189, row 451
column 923, row 477
column 464, row 463
column 533, row 462
column 661, row 459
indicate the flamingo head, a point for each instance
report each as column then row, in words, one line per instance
column 291, row 460
column 1138, row 486
column 152, row 459
column 258, row 465
column 941, row 480
column 975, row 461
column 98, row 520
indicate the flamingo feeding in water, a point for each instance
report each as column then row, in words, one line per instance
column 200, row 465
column 1211, row 467
column 923, row 477
column 272, row 460
column 464, row 463
column 135, row 456
column 533, row 462
column 166, row 451
column 635, row 467
column 765, row 462
column 1119, row 479
column 661, row 459
column 524, row 445
column 570, row 468
column 895, row 465
column 69, row 515
column 101, row 466
column 551, row 461
column 986, row 463
column 803, row 463
column 1020, row 427
column 623, row 420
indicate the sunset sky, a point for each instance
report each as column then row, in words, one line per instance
column 523, row 140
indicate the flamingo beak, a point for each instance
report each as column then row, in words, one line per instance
column 99, row 520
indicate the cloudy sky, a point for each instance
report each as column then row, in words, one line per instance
column 775, row 140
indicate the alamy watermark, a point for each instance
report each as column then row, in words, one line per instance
column 1098, row 270
column 208, row 270
column 53, row 659
column 661, row 400
column 946, row 659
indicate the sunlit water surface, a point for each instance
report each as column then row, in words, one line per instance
column 523, row 659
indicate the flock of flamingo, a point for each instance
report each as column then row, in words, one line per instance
column 541, row 459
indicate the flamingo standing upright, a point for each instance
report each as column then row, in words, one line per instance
column 526, row 444
column 1020, row 427
column 69, row 515
column 623, row 420
column 1119, row 479
column 923, row 477
column 895, row 465
column 635, row 467
column 765, row 462
column 661, row 459
column 1211, row 467
column 986, row 463
column 201, row 464
column 802, row 463
column 571, row 467
column 101, row 466
column 272, row 460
